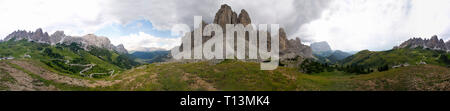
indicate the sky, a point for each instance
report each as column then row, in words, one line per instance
column 349, row 25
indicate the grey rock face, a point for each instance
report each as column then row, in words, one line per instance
column 37, row 36
column 447, row 44
column 120, row 48
column 244, row 18
column 225, row 16
column 288, row 48
column 98, row 41
column 90, row 40
column 59, row 37
column 319, row 47
column 433, row 43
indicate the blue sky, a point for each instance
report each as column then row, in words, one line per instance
column 133, row 27
column 138, row 35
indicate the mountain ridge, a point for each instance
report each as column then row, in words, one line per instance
column 60, row 38
column 320, row 47
column 432, row 43
column 289, row 48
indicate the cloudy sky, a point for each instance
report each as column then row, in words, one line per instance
column 348, row 25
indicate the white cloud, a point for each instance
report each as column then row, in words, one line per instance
column 290, row 14
column 75, row 17
column 378, row 24
column 144, row 40
column 345, row 24
column 162, row 13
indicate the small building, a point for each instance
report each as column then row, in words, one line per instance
column 26, row 56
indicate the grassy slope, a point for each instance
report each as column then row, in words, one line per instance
column 35, row 50
column 234, row 75
column 395, row 57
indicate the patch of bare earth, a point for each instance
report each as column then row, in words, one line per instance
column 198, row 82
column 23, row 81
column 152, row 78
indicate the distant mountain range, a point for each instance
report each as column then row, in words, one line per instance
column 414, row 51
column 151, row 56
column 323, row 52
column 433, row 43
column 59, row 37
column 321, row 48
column 147, row 49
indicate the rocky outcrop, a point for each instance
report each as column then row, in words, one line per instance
column 225, row 16
column 59, row 37
column 432, row 43
column 98, row 41
column 120, row 48
column 36, row 36
column 318, row 47
column 321, row 49
column 447, row 44
column 288, row 48
column 91, row 40
column 244, row 18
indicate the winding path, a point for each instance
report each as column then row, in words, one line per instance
column 88, row 67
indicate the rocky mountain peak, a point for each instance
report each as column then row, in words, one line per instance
column 39, row 32
column 434, row 38
column 37, row 36
column 121, row 49
column 99, row 41
column 244, row 18
column 320, row 47
column 225, row 15
column 433, row 43
column 59, row 37
column 289, row 49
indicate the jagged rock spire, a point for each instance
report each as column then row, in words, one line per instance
column 244, row 18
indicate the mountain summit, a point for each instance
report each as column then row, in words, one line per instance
column 432, row 43
column 60, row 38
column 288, row 48
column 320, row 47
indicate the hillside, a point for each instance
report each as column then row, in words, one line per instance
column 337, row 56
column 228, row 75
column 411, row 56
column 69, row 59
column 333, row 57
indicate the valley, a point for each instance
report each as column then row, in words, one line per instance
column 37, row 61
